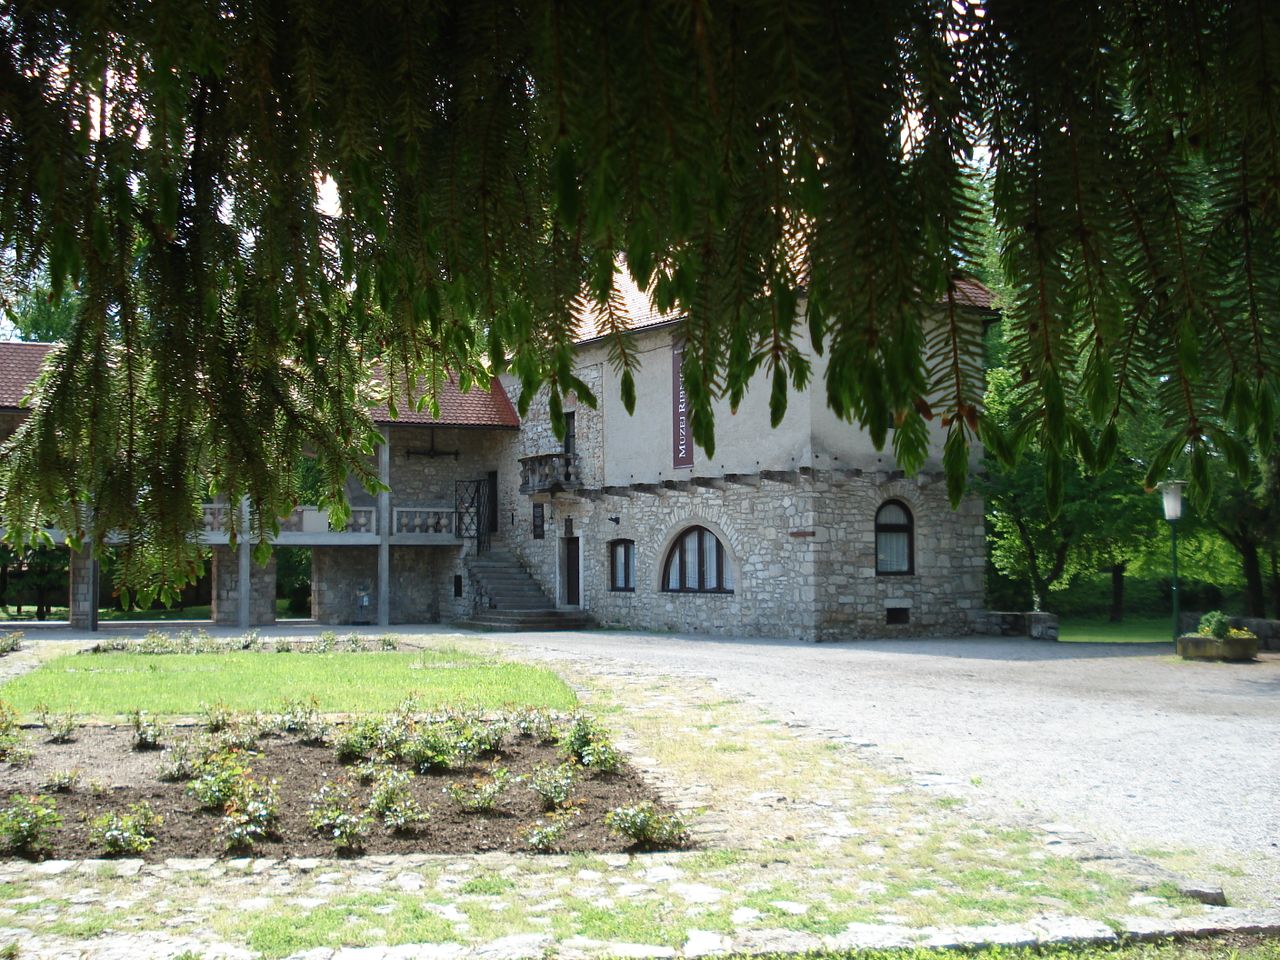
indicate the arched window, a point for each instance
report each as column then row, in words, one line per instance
column 895, row 539
column 622, row 565
column 697, row 563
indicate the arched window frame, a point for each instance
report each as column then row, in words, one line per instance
column 886, row 529
column 622, row 560
column 714, row 573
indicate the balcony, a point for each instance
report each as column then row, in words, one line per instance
column 429, row 524
column 424, row 525
column 549, row 473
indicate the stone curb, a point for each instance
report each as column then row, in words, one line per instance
column 1044, row 931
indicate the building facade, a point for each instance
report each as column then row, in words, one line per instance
column 803, row 532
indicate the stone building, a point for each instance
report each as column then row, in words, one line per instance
column 804, row 531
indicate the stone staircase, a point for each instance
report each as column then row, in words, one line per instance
column 508, row 598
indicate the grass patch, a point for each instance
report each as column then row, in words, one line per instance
column 1132, row 630
column 113, row 684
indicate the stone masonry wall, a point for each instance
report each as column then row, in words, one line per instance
column 83, row 600
column 226, row 589
column 942, row 594
column 421, row 584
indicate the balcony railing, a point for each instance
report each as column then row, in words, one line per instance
column 309, row 525
column 419, row 520
column 549, row 473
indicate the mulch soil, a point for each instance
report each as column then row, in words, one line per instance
column 113, row 776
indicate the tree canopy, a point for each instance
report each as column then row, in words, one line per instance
column 775, row 170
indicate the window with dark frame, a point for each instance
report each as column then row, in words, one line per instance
column 622, row 566
column 697, row 563
column 895, row 540
column 570, row 434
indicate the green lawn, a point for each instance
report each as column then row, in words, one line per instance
column 1130, row 630
column 112, row 684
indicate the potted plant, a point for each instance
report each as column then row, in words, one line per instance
column 1216, row 639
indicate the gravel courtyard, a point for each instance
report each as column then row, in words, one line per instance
column 1126, row 742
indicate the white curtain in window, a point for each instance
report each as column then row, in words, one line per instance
column 892, row 551
column 619, row 566
column 690, row 560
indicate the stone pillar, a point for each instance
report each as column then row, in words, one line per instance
column 227, row 599
column 83, row 602
column 384, row 531
column 244, row 607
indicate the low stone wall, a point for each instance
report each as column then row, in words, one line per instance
column 1267, row 631
column 997, row 623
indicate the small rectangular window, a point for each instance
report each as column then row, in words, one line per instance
column 539, row 522
column 457, row 584
column 897, row 615
column 622, row 565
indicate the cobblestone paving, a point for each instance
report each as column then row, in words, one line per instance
column 804, row 843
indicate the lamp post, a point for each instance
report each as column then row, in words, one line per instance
column 1171, row 491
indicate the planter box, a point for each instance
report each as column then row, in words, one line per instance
column 1192, row 646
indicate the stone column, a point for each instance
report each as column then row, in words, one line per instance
column 229, row 600
column 244, row 606
column 83, row 602
column 384, row 531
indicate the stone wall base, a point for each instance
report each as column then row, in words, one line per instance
column 226, row 589
column 1036, row 625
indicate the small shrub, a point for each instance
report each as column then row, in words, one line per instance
column 9, row 725
column 221, row 780
column 546, row 835
column 132, row 832
column 10, row 641
column 434, row 747
column 242, row 737
column 334, row 813
column 482, row 794
column 588, row 743
column 387, row 642
column 146, row 731
column 25, row 824
column 13, row 746
column 302, row 717
column 394, row 804
column 554, row 784
column 374, row 738
column 61, row 781
column 647, row 826
column 536, row 724
column 61, row 727
column 183, row 760
column 1215, row 624
column 250, row 816
column 325, row 642
column 217, row 716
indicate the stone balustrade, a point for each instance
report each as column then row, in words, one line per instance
column 549, row 473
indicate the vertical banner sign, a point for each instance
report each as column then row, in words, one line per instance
column 681, row 439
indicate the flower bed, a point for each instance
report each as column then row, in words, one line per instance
column 290, row 785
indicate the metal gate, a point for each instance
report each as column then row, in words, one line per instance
column 474, row 512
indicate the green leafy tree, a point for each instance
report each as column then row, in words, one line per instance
column 491, row 162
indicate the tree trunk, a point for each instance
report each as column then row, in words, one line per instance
column 1254, row 605
column 1117, row 592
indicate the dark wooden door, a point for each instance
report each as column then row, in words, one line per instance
column 572, row 586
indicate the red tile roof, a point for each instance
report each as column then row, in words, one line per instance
column 971, row 292
column 19, row 367
column 476, row 408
